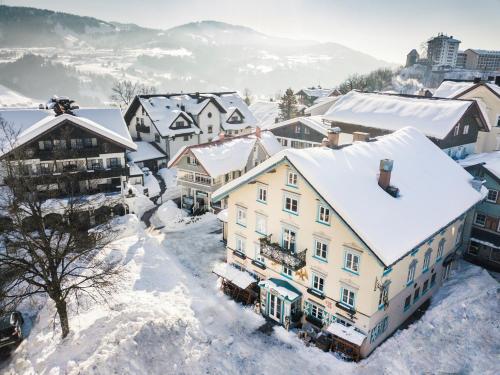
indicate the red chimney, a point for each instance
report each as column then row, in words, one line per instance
column 384, row 179
column 257, row 132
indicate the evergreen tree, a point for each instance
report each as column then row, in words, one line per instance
column 288, row 105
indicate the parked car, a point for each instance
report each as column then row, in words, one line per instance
column 10, row 329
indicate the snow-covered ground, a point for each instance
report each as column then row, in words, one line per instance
column 168, row 317
column 11, row 98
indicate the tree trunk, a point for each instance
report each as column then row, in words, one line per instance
column 63, row 317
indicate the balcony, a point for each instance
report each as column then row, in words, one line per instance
column 276, row 253
column 142, row 128
column 200, row 180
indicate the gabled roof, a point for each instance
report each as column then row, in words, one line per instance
column 31, row 123
column 488, row 160
column 434, row 117
column 229, row 154
column 324, row 104
column 315, row 92
column 145, row 151
column 265, row 112
column 456, row 89
column 160, row 106
column 434, row 189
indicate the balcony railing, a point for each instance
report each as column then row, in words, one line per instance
column 273, row 251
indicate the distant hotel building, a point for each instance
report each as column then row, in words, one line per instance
column 442, row 50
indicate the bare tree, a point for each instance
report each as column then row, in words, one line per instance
column 47, row 246
column 123, row 92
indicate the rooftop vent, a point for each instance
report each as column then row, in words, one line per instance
column 477, row 79
column 477, row 183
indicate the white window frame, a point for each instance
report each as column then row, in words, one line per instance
column 318, row 282
column 289, row 238
column 427, row 260
column 294, row 180
column 287, row 271
column 323, row 247
column 488, row 196
column 456, row 130
column 259, row 218
column 350, row 262
column 262, row 193
column 441, row 248
column 351, row 294
column 297, row 129
column 325, row 214
column 317, row 311
column 240, row 244
column 241, row 216
column 476, row 222
column 258, row 255
column 291, row 198
column 411, row 272
column 466, row 129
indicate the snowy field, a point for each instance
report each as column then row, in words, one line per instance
column 168, row 317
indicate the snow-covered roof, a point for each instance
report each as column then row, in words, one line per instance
column 223, row 215
column 489, row 160
column 451, row 89
column 283, row 287
column 429, row 181
column 164, row 110
column 145, row 151
column 239, row 278
column 321, row 105
column 30, row 123
column 316, row 92
column 313, row 122
column 347, row 333
column 230, row 154
column 265, row 112
column 134, row 170
column 434, row 117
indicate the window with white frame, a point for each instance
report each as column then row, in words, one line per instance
column 297, row 129
column 260, row 224
column 480, row 219
column 292, row 178
column 291, row 204
column 240, row 244
column 192, row 161
column 262, row 194
column 258, row 255
column 466, row 129
column 289, row 239
column 427, row 260
column 318, row 283
column 351, row 261
column 348, row 296
column 440, row 249
column 320, row 249
column 456, row 130
column 458, row 238
column 306, row 130
column 323, row 214
column 241, row 216
column 492, row 196
column 317, row 311
column 411, row 272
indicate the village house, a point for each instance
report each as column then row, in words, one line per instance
column 68, row 151
column 352, row 239
column 321, row 105
column 482, row 229
column 487, row 95
column 171, row 121
column 202, row 169
column 308, row 96
column 453, row 125
column 304, row 132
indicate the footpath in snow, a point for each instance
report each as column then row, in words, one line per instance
column 168, row 317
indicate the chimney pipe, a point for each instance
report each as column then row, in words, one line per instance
column 384, row 179
column 333, row 137
column 360, row 137
column 324, row 142
column 258, row 132
column 477, row 79
column 221, row 136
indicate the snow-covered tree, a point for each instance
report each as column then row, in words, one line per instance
column 288, row 105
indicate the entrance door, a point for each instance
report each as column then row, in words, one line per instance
column 275, row 307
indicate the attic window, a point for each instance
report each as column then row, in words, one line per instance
column 209, row 114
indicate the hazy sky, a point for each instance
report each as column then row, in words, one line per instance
column 386, row 29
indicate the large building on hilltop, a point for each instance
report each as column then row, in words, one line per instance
column 480, row 59
column 442, row 50
column 170, row 121
column 352, row 239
